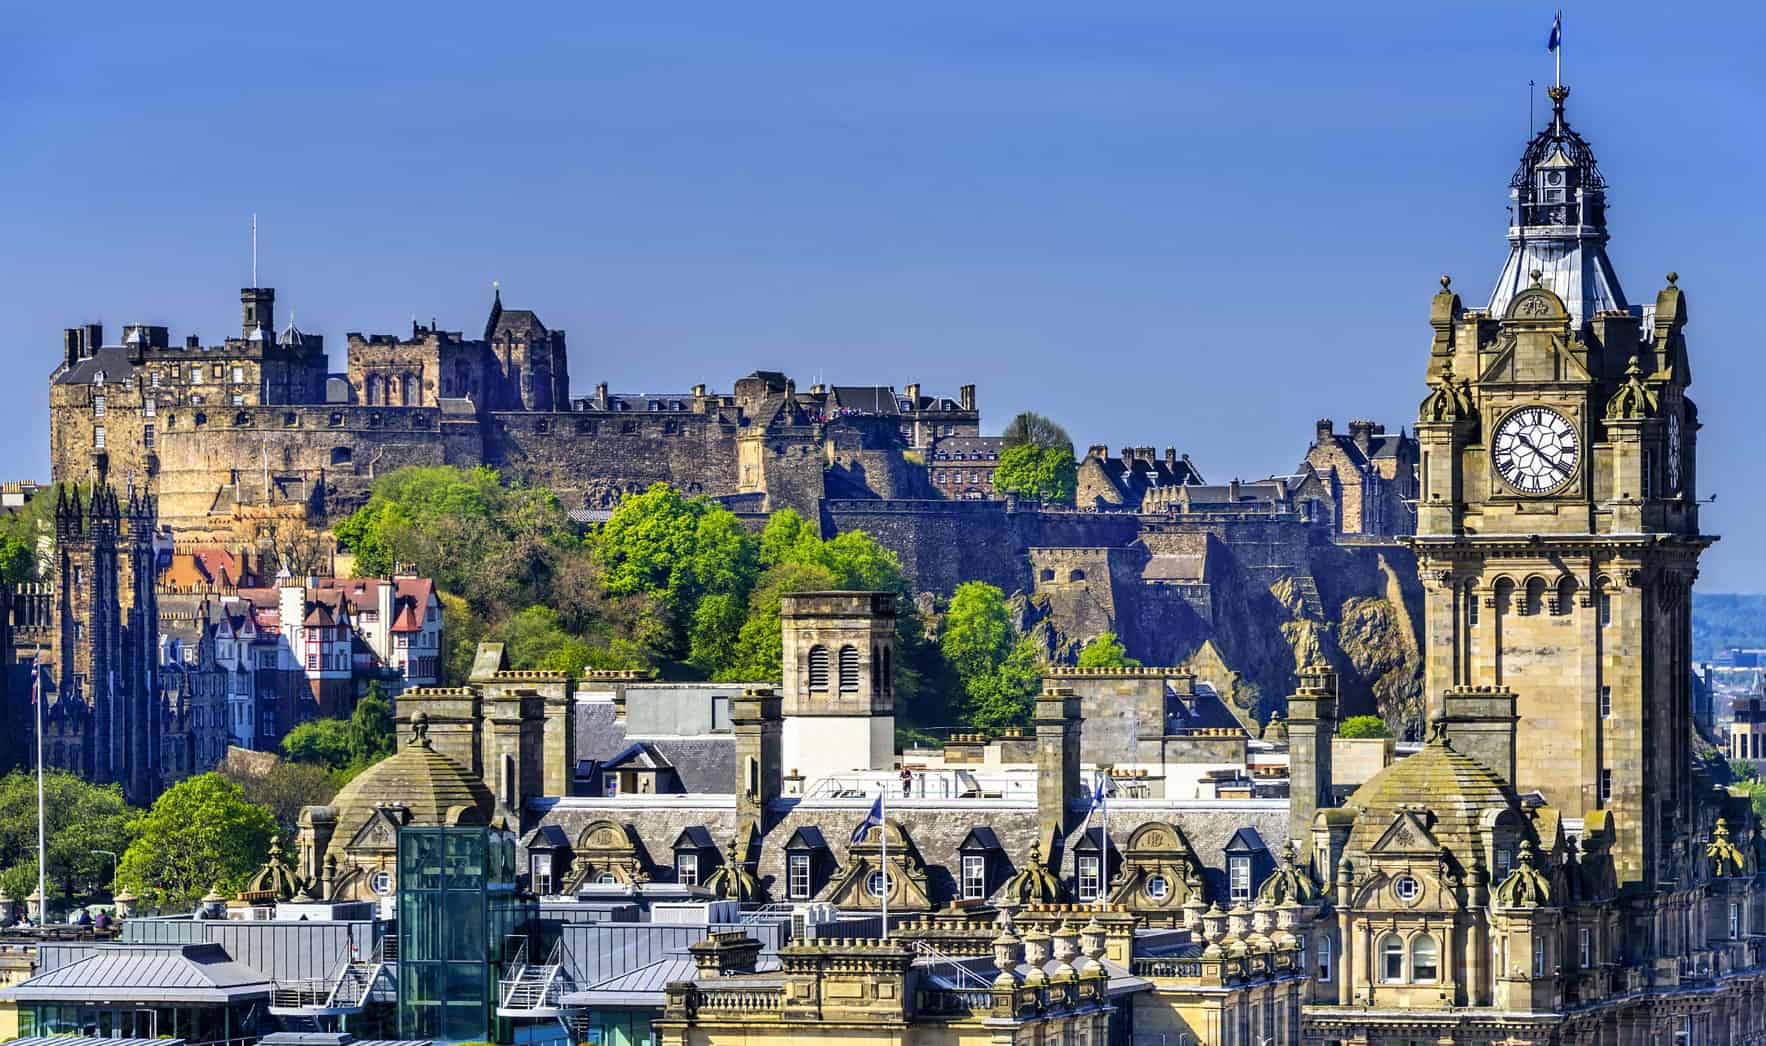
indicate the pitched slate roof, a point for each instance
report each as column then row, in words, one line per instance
column 177, row 973
column 113, row 360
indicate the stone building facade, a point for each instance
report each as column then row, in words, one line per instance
column 1374, row 473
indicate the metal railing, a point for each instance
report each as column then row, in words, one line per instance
column 534, row 989
column 965, row 977
column 345, row 991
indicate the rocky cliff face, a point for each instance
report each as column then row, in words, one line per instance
column 1355, row 608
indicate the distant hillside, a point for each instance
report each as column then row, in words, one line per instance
column 1722, row 620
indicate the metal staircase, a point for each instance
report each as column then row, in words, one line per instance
column 345, row 992
column 534, row 989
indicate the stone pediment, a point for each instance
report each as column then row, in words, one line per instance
column 380, row 833
column 1407, row 836
column 905, row 874
column 1533, row 357
column 606, row 852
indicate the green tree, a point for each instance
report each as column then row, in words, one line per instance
column 783, row 530
column 1031, row 428
column 977, row 632
column 1040, row 473
column 678, row 550
column 201, row 833
column 1742, row 770
column 1106, row 651
column 1007, row 697
column 372, row 735
column 1363, row 726
column 320, row 742
column 757, row 651
column 286, row 788
column 80, row 818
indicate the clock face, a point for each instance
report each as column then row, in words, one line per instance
column 1535, row 450
column 1673, row 451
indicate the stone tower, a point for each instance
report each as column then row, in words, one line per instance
column 139, row 671
column 1558, row 533
column 89, row 631
column 839, row 687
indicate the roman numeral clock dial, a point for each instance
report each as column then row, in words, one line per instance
column 1535, row 450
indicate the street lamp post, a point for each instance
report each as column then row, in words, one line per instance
column 113, row 867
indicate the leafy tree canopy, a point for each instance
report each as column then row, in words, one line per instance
column 320, row 742
column 1040, row 473
column 1106, row 651
column 1037, row 431
column 200, row 834
column 1363, row 726
column 80, row 817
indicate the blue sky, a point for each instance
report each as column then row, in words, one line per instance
column 1159, row 227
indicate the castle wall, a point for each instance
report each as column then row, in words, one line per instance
column 944, row 543
column 599, row 457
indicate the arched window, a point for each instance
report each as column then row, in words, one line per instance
column 849, row 670
column 1425, row 959
column 1047, row 574
column 1076, row 575
column 408, row 389
column 1566, row 595
column 818, row 668
column 1392, row 959
column 1505, row 597
column 1535, row 596
column 371, row 388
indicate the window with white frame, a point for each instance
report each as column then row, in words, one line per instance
column 1392, row 959
column 687, row 869
column 877, row 885
column 1734, row 920
column 974, row 876
column 1239, row 872
column 1538, row 956
column 98, row 437
column 1324, row 957
column 1425, row 959
column 149, row 407
column 1606, row 702
column 1585, row 947
column 798, row 879
column 98, row 406
column 1088, row 877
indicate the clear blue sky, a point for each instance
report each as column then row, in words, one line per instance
column 1158, row 227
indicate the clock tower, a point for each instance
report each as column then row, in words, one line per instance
column 1557, row 524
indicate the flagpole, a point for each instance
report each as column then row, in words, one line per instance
column 1104, row 862
column 1559, row 50
column 883, row 838
column 42, row 835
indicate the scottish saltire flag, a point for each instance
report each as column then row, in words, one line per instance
column 1100, row 788
column 1556, row 39
column 874, row 819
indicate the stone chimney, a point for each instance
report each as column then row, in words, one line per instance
column 1057, row 762
column 1323, row 434
column 912, row 392
column 966, row 397
column 1362, row 432
column 758, row 725
column 722, row 954
column 1128, row 456
column 1312, row 722
column 1481, row 723
column 1171, row 458
column 72, row 346
column 1098, row 451
column 601, row 396
column 699, row 391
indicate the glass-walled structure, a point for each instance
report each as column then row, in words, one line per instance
column 460, row 921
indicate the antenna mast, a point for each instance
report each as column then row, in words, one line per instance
column 254, row 249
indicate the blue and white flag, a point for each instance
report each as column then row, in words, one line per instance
column 1100, row 788
column 874, row 819
column 1556, row 39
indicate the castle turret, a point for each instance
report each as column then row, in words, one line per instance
column 257, row 308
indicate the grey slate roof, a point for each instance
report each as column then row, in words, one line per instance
column 113, row 360
column 176, row 973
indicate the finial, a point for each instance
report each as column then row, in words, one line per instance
column 1438, row 731
column 420, row 729
column 1525, row 854
column 1537, row 275
column 1632, row 369
column 1446, row 281
column 1673, row 278
column 1447, row 370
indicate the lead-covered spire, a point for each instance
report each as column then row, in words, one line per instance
column 1558, row 223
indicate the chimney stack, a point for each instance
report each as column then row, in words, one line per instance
column 912, row 392
column 1324, row 431
column 966, row 396
column 1057, row 764
column 1481, row 723
column 1312, row 722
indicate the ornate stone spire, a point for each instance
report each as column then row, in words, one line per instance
column 1558, row 223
